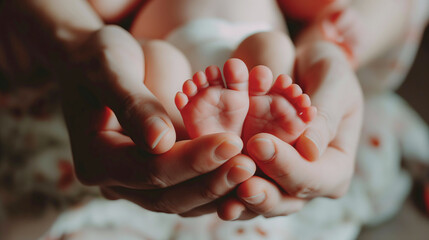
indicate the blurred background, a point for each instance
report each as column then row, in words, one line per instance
column 411, row 222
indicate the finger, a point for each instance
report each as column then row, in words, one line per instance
column 315, row 139
column 329, row 176
column 320, row 68
column 201, row 210
column 263, row 197
column 231, row 209
column 112, row 159
column 197, row 192
column 114, row 70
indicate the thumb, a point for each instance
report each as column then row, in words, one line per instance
column 114, row 71
column 315, row 140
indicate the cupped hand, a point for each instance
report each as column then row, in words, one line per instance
column 321, row 164
column 122, row 138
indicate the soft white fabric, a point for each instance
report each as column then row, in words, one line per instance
column 210, row 41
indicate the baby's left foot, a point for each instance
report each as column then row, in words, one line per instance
column 207, row 106
column 281, row 110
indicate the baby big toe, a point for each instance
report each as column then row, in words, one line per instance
column 236, row 75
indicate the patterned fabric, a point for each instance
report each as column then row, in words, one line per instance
column 36, row 168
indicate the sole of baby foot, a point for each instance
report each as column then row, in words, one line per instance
column 280, row 109
column 208, row 106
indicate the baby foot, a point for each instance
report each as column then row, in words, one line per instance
column 282, row 111
column 207, row 106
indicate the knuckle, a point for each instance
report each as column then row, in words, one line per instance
column 165, row 205
column 209, row 193
column 130, row 104
column 329, row 121
column 305, row 191
column 265, row 209
column 197, row 167
column 283, row 174
column 154, row 181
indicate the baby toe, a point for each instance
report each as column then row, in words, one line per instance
column 190, row 88
column 236, row 75
column 200, row 80
column 214, row 76
column 282, row 82
column 293, row 91
column 260, row 80
column 181, row 100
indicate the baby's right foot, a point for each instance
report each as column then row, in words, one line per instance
column 281, row 110
column 208, row 107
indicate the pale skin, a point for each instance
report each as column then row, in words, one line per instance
column 111, row 136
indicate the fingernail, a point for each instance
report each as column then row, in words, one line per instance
column 156, row 125
column 227, row 150
column 236, row 175
column 264, row 151
column 256, row 199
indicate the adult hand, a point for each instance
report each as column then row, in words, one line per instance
column 321, row 163
column 116, row 125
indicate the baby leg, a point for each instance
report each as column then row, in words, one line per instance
column 166, row 69
column 272, row 49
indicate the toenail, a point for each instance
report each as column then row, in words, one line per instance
column 227, row 150
column 256, row 199
column 265, row 150
column 156, row 124
column 236, row 174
